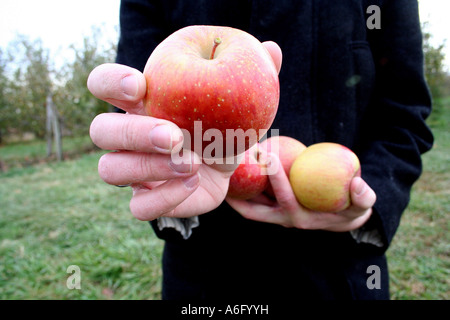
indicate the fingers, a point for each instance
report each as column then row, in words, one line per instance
column 275, row 52
column 123, row 168
column 146, row 172
column 289, row 213
column 258, row 211
column 119, row 85
column 286, row 211
column 149, row 204
column 281, row 186
column 114, row 131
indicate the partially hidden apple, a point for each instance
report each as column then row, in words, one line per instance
column 218, row 78
column 321, row 175
column 250, row 177
column 287, row 149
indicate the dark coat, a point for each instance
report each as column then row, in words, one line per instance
column 340, row 82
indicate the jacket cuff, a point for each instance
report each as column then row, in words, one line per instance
column 183, row 225
column 372, row 236
column 371, row 232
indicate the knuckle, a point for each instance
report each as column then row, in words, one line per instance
column 165, row 203
column 285, row 200
column 144, row 167
column 147, row 205
column 130, row 134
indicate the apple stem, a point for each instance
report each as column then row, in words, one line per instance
column 217, row 41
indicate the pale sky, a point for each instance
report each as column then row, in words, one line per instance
column 435, row 12
column 60, row 23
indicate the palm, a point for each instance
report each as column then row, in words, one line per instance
column 208, row 196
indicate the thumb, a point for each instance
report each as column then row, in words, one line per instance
column 362, row 195
column 275, row 52
column 122, row 86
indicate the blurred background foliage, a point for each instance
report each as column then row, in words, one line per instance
column 28, row 75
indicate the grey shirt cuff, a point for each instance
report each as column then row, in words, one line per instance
column 182, row 225
column 185, row 226
column 367, row 236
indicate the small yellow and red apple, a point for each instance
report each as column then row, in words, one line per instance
column 250, row 177
column 321, row 175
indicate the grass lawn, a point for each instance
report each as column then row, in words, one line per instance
column 419, row 257
column 54, row 215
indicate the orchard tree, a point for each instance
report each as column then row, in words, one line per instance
column 28, row 87
column 5, row 111
column 434, row 66
column 28, row 77
column 76, row 104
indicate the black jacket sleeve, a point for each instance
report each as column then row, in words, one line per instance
column 141, row 30
column 394, row 133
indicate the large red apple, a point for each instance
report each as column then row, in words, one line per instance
column 220, row 84
column 287, row 149
column 250, row 177
column 321, row 175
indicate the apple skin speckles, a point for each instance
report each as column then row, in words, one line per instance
column 241, row 79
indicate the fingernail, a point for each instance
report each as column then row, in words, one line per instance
column 123, row 185
column 272, row 164
column 182, row 167
column 265, row 159
column 130, row 85
column 161, row 138
column 192, row 181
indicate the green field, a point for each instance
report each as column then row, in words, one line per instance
column 54, row 215
column 419, row 257
column 61, row 214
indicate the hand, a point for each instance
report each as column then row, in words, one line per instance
column 286, row 210
column 146, row 144
column 145, row 147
